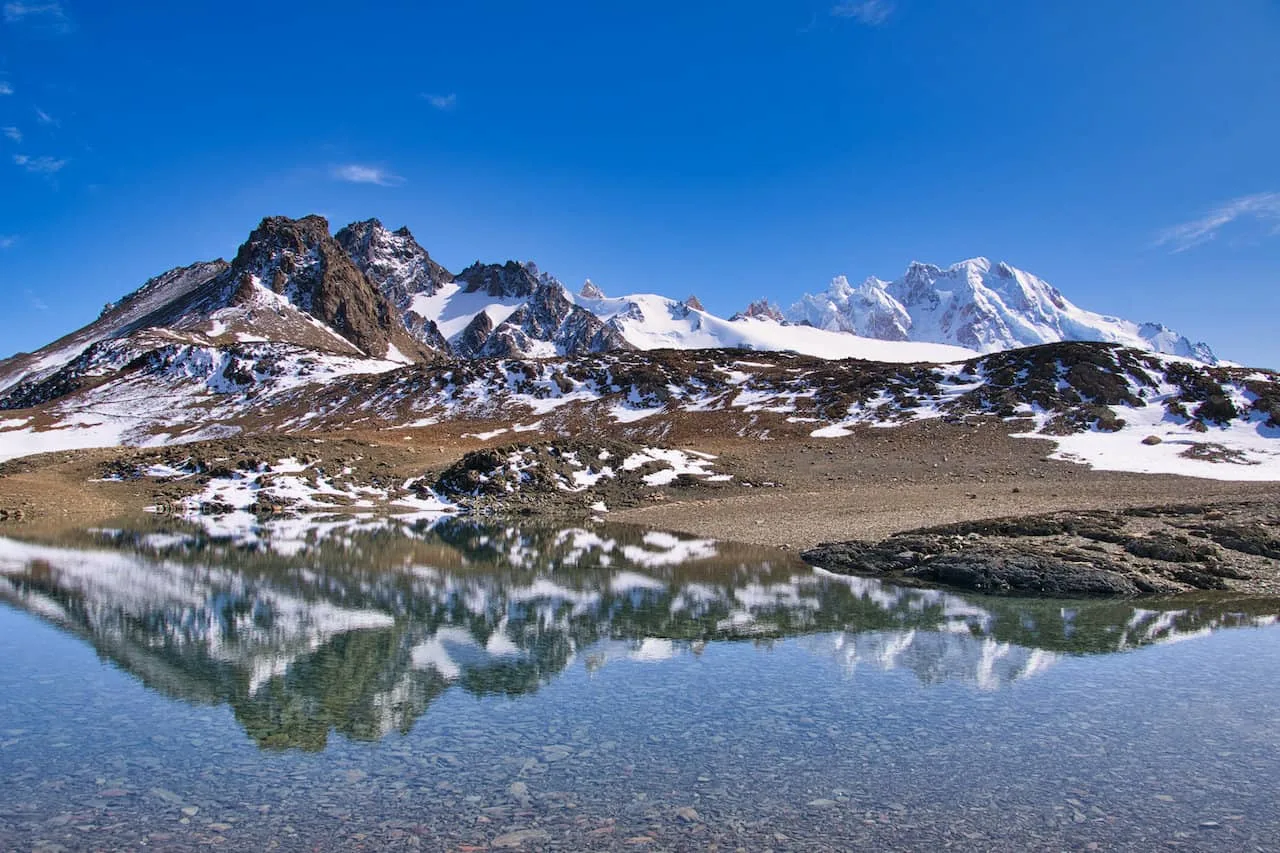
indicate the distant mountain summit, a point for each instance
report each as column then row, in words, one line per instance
column 978, row 305
column 761, row 309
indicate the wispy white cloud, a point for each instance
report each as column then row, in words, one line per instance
column 12, row 133
column 358, row 173
column 441, row 102
column 39, row 165
column 8, row 241
column 1262, row 209
column 44, row 118
column 873, row 13
column 18, row 11
column 6, row 88
column 50, row 17
column 35, row 301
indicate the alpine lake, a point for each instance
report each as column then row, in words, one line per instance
column 466, row 686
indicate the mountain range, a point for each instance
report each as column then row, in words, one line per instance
column 984, row 306
column 369, row 292
column 308, row 331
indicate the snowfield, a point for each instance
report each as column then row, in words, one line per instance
column 1242, row 450
column 649, row 322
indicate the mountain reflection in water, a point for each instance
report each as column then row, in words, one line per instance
column 359, row 632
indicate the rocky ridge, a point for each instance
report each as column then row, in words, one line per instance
column 544, row 323
column 378, row 293
column 1184, row 416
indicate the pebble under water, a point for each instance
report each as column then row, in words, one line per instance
column 468, row 687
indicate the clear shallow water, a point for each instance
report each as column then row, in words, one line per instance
column 608, row 689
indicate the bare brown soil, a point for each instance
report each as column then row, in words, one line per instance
column 869, row 485
column 878, row 482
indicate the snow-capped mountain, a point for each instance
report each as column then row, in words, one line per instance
column 371, row 293
column 979, row 305
column 522, row 313
column 515, row 310
column 648, row 321
column 290, row 283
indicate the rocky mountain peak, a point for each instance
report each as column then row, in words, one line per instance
column 393, row 260
column 280, row 234
column 512, row 280
column 693, row 303
column 298, row 260
column 590, row 291
column 761, row 309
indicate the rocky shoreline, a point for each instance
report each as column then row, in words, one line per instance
column 1099, row 553
column 1001, row 521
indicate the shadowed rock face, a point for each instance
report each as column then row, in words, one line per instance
column 509, row 280
column 547, row 317
column 401, row 270
column 298, row 259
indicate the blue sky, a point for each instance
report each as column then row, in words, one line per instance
column 1125, row 151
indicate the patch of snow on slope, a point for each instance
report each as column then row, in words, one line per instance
column 76, row 431
column 679, row 462
column 453, row 309
column 623, row 413
column 486, row 436
column 195, row 394
column 1241, row 450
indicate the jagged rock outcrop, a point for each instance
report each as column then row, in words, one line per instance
column 511, row 280
column 298, row 260
column 761, row 309
column 401, row 270
column 545, row 324
column 393, row 260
